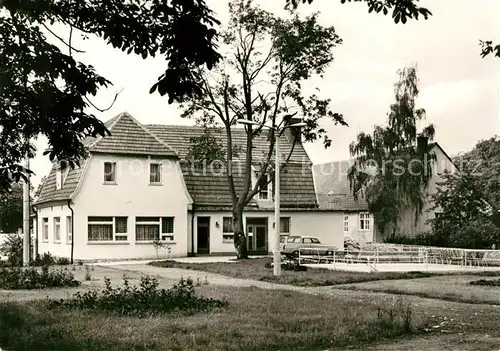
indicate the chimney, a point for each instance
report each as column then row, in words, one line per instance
column 293, row 133
column 422, row 142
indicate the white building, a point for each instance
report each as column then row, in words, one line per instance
column 334, row 193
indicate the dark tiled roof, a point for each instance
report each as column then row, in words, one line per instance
column 211, row 189
column 333, row 188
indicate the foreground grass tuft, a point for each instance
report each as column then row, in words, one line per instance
column 254, row 320
column 486, row 282
column 31, row 278
column 145, row 300
column 257, row 269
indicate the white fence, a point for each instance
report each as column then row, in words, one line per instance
column 421, row 257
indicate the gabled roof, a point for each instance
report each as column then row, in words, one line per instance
column 211, row 189
column 333, row 187
column 129, row 137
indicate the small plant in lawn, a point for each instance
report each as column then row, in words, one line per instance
column 88, row 276
column 289, row 265
column 43, row 260
column 158, row 245
column 396, row 318
column 30, row 278
column 142, row 301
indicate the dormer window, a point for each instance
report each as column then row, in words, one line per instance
column 264, row 184
column 264, row 187
column 61, row 173
column 58, row 179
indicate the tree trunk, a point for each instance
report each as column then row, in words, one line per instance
column 240, row 240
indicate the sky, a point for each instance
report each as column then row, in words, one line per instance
column 459, row 90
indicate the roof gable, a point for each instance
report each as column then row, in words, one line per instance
column 49, row 192
column 129, row 137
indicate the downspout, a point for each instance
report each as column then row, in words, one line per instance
column 35, row 248
column 72, row 230
column 192, row 231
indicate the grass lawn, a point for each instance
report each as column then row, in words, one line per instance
column 451, row 288
column 255, row 269
column 255, row 319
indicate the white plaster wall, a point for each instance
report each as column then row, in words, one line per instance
column 355, row 233
column 131, row 196
column 62, row 249
column 409, row 225
column 326, row 226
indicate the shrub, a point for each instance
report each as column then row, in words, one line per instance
column 30, row 278
column 147, row 299
column 62, row 261
column 395, row 318
column 290, row 265
column 13, row 249
column 44, row 260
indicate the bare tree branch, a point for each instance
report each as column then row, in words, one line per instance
column 62, row 40
column 105, row 109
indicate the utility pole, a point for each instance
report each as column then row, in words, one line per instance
column 277, row 220
column 26, row 214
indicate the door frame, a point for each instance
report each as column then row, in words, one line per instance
column 202, row 225
column 254, row 242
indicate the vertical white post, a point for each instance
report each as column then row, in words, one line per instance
column 26, row 215
column 277, row 222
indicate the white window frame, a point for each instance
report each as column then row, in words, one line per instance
column 123, row 236
column 164, row 236
column 69, row 229
column 56, row 226
column 113, row 165
column 227, row 236
column 364, row 218
column 159, row 173
column 268, row 192
column 45, row 229
column 346, row 222
column 59, row 179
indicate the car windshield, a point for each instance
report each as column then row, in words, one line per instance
column 315, row 241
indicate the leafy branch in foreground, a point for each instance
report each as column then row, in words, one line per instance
column 45, row 91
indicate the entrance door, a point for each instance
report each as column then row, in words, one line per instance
column 260, row 238
column 257, row 238
column 203, row 235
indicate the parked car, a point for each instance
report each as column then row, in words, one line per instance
column 303, row 243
